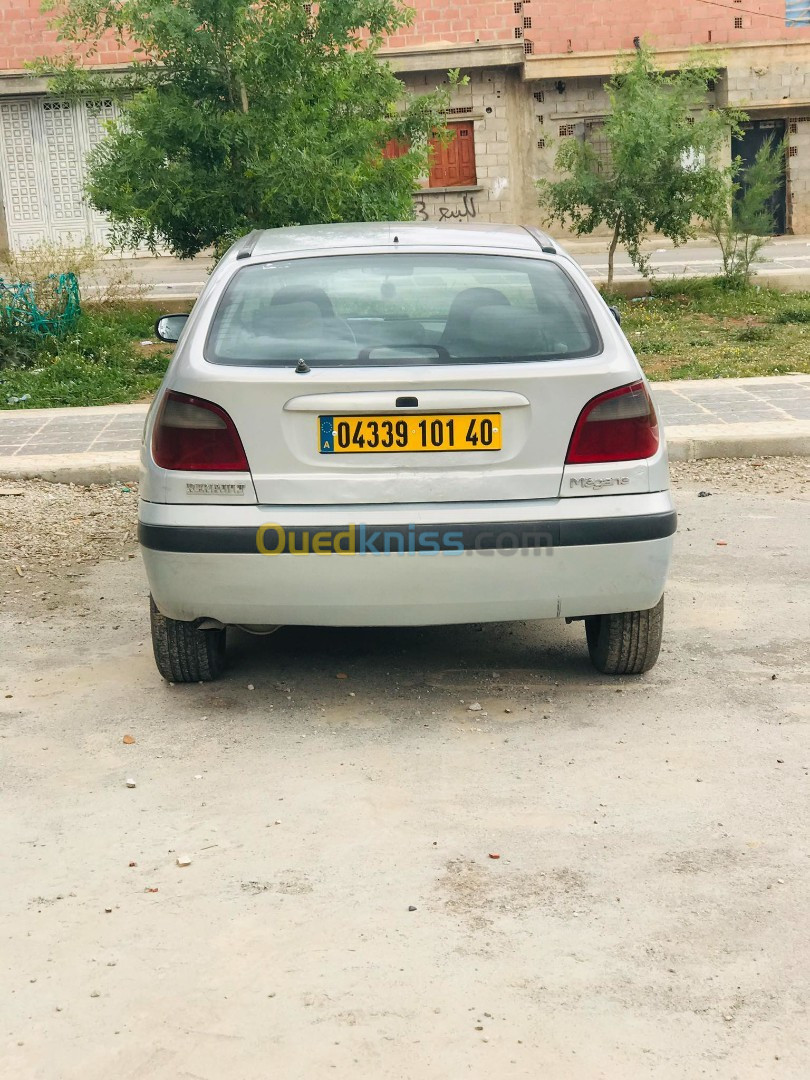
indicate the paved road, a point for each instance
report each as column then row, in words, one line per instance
column 786, row 256
column 783, row 257
column 647, row 916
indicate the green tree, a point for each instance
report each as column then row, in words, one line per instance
column 239, row 115
column 659, row 170
column 745, row 220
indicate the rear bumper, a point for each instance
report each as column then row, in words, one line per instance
column 408, row 565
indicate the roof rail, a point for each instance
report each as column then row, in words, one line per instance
column 544, row 241
column 246, row 246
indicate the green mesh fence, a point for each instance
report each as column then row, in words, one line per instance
column 47, row 308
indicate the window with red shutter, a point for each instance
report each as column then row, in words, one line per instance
column 452, row 164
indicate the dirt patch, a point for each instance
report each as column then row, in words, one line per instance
column 152, row 348
column 479, row 892
column 734, row 323
column 701, row 860
column 291, row 886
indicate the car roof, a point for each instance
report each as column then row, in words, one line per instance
column 385, row 233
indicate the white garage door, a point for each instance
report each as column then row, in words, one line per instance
column 43, row 145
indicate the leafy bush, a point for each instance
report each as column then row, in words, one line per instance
column 241, row 115
column 97, row 349
column 745, row 220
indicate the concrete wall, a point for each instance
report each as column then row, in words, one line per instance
column 772, row 82
column 493, row 102
column 517, row 140
column 798, row 165
column 759, row 78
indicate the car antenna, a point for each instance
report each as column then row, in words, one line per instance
column 302, row 367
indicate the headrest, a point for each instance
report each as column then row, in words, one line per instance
column 300, row 294
column 295, row 319
column 499, row 331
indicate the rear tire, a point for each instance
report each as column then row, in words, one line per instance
column 183, row 652
column 626, row 643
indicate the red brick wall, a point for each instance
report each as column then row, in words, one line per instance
column 461, row 23
column 24, row 32
column 610, row 25
column 597, row 25
column 576, row 26
column 24, row 35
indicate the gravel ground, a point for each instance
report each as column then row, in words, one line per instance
column 51, row 533
column 51, row 526
column 763, row 476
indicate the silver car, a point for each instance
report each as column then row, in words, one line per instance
column 402, row 424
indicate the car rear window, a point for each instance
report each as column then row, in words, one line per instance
column 400, row 309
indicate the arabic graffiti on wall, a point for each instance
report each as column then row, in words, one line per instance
column 446, row 207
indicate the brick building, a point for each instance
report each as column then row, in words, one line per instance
column 536, row 75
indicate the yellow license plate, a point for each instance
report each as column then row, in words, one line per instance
column 411, row 433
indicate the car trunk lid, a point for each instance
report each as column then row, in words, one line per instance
column 280, row 418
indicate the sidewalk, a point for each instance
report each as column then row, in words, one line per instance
column 703, row 419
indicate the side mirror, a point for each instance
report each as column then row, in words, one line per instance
column 617, row 315
column 170, row 327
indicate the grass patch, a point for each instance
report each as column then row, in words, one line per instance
column 794, row 315
column 693, row 329
column 99, row 361
column 703, row 329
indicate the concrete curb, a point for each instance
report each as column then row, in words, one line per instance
column 83, row 469
column 789, row 439
column 134, row 409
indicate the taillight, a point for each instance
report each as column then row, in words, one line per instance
column 197, row 436
column 619, row 425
